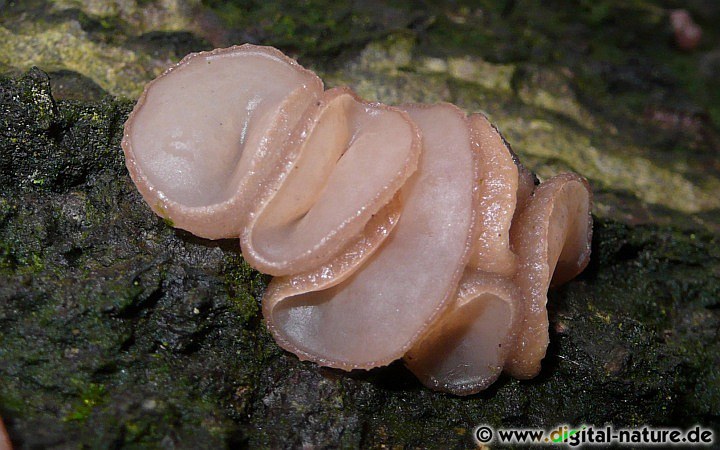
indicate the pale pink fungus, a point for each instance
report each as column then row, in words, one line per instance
column 394, row 232
column 5, row 443
column 552, row 240
column 330, row 183
column 687, row 33
column 203, row 134
column 466, row 349
column 375, row 316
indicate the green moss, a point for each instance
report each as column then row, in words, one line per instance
column 92, row 396
column 65, row 46
column 245, row 286
column 317, row 27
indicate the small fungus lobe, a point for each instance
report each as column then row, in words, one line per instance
column 5, row 443
column 688, row 34
column 393, row 232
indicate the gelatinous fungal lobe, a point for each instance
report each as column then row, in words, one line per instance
column 202, row 134
column 392, row 232
column 552, row 240
column 465, row 350
column 332, row 184
column 5, row 443
column 499, row 323
column 688, row 34
column 375, row 315
column 498, row 188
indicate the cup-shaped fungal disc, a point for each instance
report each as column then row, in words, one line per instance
column 498, row 187
column 465, row 350
column 552, row 236
column 202, row 135
column 333, row 184
column 376, row 314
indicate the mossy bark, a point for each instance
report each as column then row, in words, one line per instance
column 116, row 329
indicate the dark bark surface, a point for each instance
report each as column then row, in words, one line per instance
column 117, row 328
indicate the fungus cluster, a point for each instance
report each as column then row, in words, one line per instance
column 393, row 232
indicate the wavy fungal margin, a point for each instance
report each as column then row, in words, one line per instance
column 393, row 232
